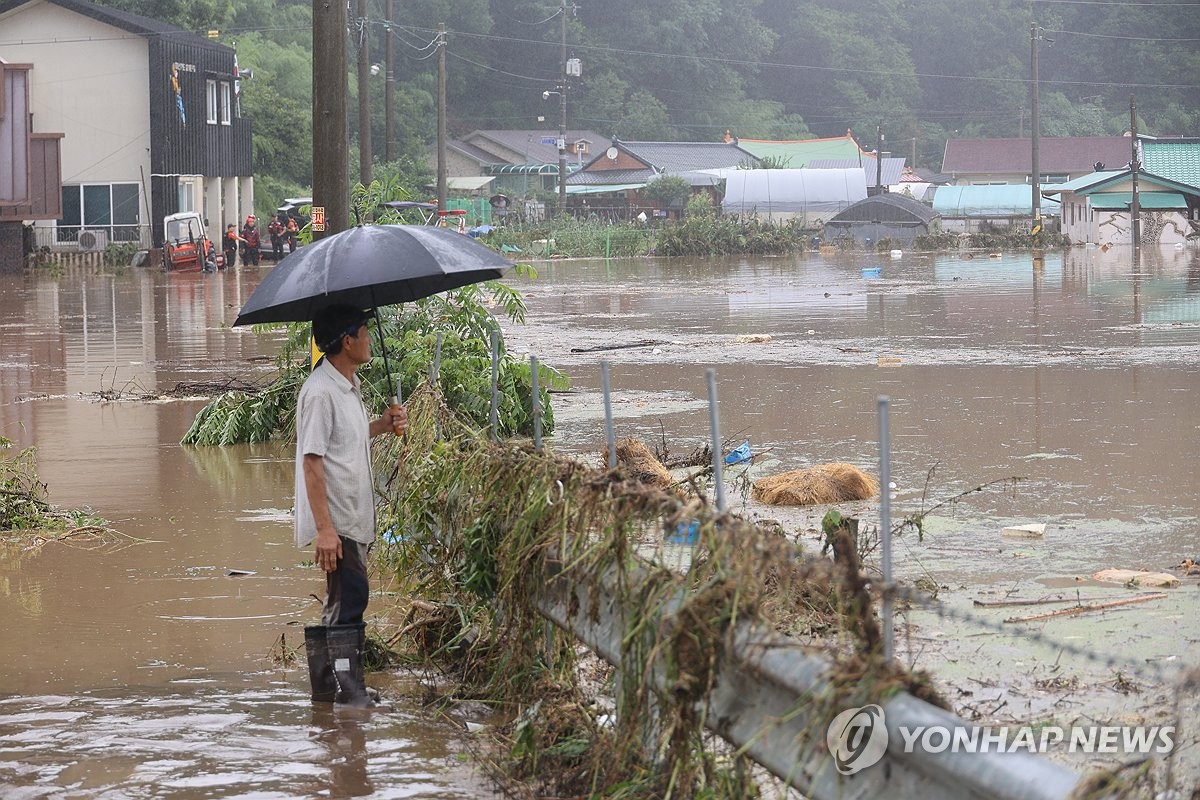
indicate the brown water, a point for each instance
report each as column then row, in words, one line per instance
column 144, row 672
column 1079, row 374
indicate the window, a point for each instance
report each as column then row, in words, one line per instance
column 210, row 96
column 226, row 103
column 113, row 208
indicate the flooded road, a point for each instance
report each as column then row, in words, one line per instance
column 146, row 671
column 1078, row 375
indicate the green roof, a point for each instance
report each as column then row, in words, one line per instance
column 1175, row 160
column 1146, row 200
column 797, row 153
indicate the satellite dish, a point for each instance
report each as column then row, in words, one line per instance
column 611, row 153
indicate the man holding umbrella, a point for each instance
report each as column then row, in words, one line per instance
column 335, row 498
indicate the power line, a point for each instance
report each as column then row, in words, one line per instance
column 1118, row 36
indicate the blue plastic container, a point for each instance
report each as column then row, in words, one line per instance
column 871, row 272
column 686, row 533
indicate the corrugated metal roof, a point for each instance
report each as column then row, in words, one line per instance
column 1177, row 160
column 1082, row 182
column 892, row 168
column 1055, row 155
column 1146, row 200
column 988, row 201
column 798, row 153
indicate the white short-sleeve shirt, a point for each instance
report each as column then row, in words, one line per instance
column 331, row 422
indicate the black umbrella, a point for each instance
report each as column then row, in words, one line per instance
column 368, row 267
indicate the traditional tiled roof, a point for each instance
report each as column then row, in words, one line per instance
column 530, row 144
column 1176, row 159
column 675, row 157
column 1055, row 155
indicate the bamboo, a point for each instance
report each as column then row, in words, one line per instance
column 1044, row 601
column 1067, row 612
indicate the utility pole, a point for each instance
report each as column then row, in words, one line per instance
column 389, row 145
column 1135, row 205
column 1035, row 131
column 562, row 116
column 331, row 159
column 441, row 119
column 879, row 159
column 365, row 156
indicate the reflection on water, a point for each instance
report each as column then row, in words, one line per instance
column 1078, row 373
column 145, row 671
column 214, row 738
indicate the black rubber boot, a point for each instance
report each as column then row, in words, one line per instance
column 320, row 668
column 345, row 652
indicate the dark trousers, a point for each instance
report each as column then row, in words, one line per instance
column 346, row 587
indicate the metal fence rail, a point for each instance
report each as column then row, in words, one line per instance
column 773, row 701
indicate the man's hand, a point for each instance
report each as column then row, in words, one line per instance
column 394, row 420
column 328, row 549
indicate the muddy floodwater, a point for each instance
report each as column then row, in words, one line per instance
column 146, row 671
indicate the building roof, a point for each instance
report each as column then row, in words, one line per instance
column 124, row 20
column 890, row 208
column 1055, row 155
column 988, row 201
column 1176, row 159
column 536, row 146
column 675, row 157
column 664, row 158
column 892, row 168
column 798, row 153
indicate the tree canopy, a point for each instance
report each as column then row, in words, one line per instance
column 922, row 70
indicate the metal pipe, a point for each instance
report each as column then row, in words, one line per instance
column 609, row 431
column 494, row 414
column 715, row 425
column 885, row 527
column 537, row 403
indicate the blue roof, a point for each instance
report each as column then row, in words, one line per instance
column 1013, row 200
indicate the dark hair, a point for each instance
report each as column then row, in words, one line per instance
column 333, row 322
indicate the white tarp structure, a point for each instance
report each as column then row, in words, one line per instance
column 813, row 195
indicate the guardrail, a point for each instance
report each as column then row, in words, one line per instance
column 770, row 699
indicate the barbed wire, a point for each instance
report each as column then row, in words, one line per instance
column 1147, row 670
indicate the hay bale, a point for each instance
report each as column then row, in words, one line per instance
column 825, row 483
column 636, row 460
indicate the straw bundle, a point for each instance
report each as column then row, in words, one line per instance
column 636, row 460
column 819, row 485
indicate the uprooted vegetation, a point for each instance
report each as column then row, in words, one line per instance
column 27, row 519
column 479, row 533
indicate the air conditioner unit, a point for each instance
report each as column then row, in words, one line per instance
column 93, row 240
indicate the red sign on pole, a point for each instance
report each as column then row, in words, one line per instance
column 318, row 218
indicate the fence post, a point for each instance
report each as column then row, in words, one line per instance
column 885, row 526
column 537, row 403
column 495, row 413
column 715, row 425
column 609, row 431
